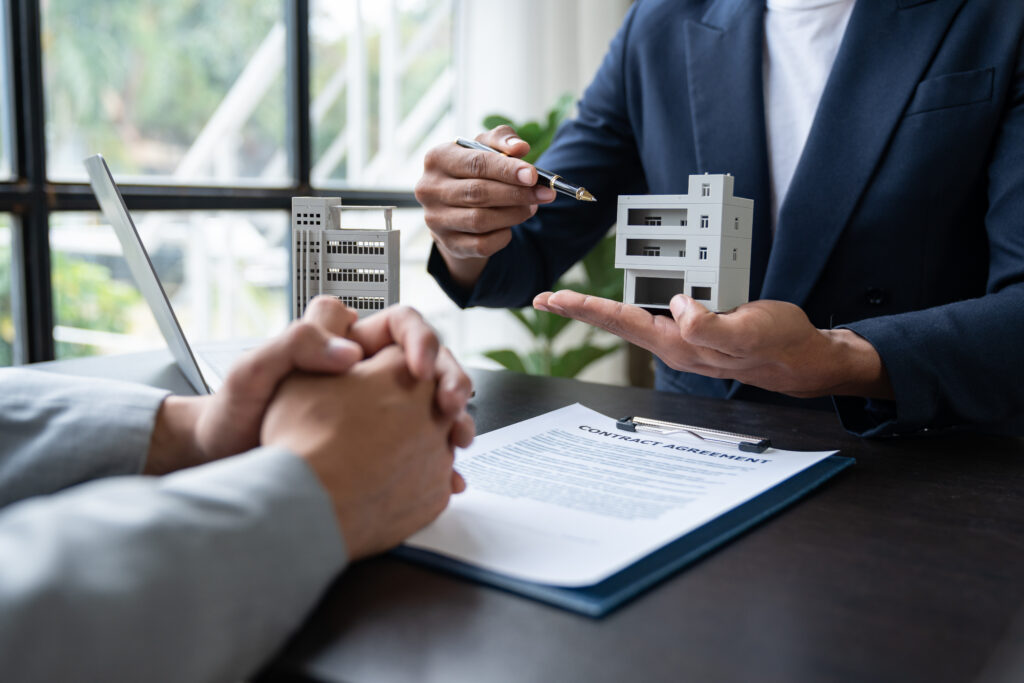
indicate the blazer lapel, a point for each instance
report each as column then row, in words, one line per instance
column 723, row 63
column 887, row 48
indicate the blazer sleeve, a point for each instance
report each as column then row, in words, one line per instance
column 196, row 576
column 597, row 150
column 960, row 364
column 57, row 431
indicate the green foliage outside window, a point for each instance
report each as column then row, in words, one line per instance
column 6, row 317
column 85, row 296
column 599, row 278
column 138, row 79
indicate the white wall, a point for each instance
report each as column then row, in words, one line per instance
column 516, row 58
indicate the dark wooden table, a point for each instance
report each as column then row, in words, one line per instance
column 909, row 566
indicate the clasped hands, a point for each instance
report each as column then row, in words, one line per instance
column 375, row 407
column 769, row 344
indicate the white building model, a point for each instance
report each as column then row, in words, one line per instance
column 696, row 244
column 348, row 252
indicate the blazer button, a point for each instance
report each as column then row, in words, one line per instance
column 875, row 296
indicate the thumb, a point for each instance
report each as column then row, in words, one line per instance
column 340, row 354
column 678, row 306
column 505, row 139
column 697, row 325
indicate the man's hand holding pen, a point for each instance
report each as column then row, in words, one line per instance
column 472, row 198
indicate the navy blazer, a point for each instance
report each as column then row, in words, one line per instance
column 905, row 217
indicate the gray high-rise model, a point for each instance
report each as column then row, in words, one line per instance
column 696, row 244
column 348, row 252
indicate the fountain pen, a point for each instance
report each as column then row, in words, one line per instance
column 552, row 180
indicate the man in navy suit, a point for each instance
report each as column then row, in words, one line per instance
column 888, row 251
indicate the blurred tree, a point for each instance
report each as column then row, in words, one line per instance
column 84, row 296
column 6, row 316
column 120, row 73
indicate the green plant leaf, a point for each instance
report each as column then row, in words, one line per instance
column 495, row 120
column 563, row 106
column 531, row 132
column 537, row 363
column 508, row 359
column 551, row 325
column 528, row 318
column 599, row 263
column 572, row 362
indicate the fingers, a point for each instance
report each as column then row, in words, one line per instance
column 454, row 386
column 696, row 323
column 459, row 162
column 632, row 323
column 465, row 245
column 463, row 431
column 330, row 314
column 724, row 335
column 656, row 333
column 405, row 327
column 504, row 139
column 475, row 221
column 457, row 176
column 305, row 346
column 482, row 192
column 471, row 198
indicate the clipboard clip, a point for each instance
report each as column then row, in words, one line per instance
column 745, row 442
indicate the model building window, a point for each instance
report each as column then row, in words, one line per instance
column 652, row 220
column 657, row 291
column 703, row 254
column 701, row 293
column 652, row 251
column 705, row 222
column 734, row 254
column 682, row 221
column 736, row 223
column 705, row 190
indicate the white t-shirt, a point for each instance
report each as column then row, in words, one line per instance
column 801, row 41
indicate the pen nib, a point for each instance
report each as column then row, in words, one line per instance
column 585, row 196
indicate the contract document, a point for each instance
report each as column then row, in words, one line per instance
column 567, row 499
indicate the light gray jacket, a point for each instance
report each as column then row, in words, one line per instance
column 106, row 575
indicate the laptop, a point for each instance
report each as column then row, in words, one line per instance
column 206, row 366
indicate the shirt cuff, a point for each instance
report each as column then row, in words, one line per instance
column 57, row 430
column 907, row 413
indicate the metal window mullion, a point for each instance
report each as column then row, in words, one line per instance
column 32, row 259
column 298, row 93
column 75, row 197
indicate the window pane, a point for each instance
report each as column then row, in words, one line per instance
column 8, row 329
column 5, row 96
column 382, row 89
column 225, row 272
column 184, row 92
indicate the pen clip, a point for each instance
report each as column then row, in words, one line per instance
column 744, row 442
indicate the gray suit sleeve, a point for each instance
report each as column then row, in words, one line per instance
column 57, row 431
column 197, row 576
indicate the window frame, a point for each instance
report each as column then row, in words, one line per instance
column 32, row 198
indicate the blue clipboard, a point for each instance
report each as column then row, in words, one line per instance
column 601, row 598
